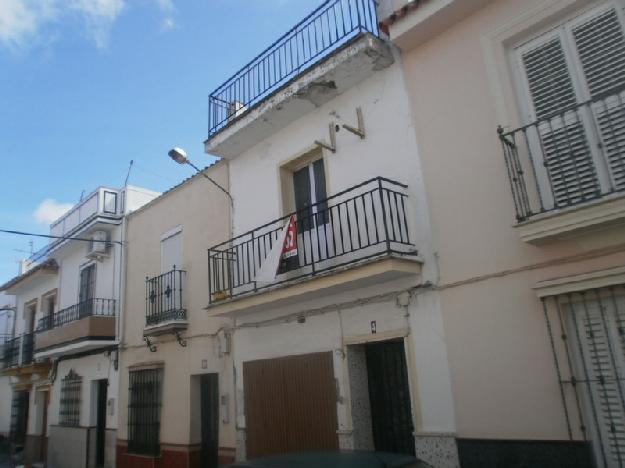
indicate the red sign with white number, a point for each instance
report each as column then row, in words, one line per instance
column 289, row 248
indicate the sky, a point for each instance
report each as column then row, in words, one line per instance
column 88, row 85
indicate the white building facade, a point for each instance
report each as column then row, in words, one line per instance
column 344, row 347
column 64, row 360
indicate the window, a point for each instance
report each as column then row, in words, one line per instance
column 30, row 311
column 86, row 291
column 19, row 416
column 309, row 184
column 171, row 250
column 588, row 333
column 582, row 147
column 144, row 411
column 69, row 408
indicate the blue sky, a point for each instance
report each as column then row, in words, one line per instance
column 88, row 85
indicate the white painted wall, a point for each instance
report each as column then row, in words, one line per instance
column 389, row 150
column 90, row 368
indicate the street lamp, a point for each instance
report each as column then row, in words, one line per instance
column 180, row 156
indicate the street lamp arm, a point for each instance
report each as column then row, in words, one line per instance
column 213, row 181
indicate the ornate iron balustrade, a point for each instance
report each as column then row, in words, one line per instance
column 573, row 156
column 330, row 26
column 163, row 297
column 11, row 352
column 365, row 221
column 88, row 308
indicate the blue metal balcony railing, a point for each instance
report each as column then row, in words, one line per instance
column 330, row 26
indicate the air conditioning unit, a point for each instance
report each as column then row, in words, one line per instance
column 235, row 109
column 98, row 247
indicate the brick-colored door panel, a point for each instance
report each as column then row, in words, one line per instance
column 290, row 404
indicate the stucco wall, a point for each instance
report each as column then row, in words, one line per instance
column 6, row 394
column 461, row 88
column 33, row 289
column 203, row 212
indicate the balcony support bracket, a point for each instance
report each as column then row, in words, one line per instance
column 182, row 342
column 360, row 130
column 151, row 346
column 332, row 145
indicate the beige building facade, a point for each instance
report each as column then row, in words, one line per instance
column 175, row 406
column 527, row 221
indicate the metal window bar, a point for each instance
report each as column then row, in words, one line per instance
column 164, row 297
column 573, row 156
column 87, row 308
column 144, row 410
column 587, row 336
column 19, row 417
column 329, row 27
column 362, row 222
column 69, row 408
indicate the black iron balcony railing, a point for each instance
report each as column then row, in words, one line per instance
column 163, row 297
column 330, row 26
column 11, row 352
column 573, row 156
column 360, row 223
column 87, row 308
column 28, row 343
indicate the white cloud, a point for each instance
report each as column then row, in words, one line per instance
column 20, row 20
column 99, row 16
column 168, row 9
column 24, row 23
column 50, row 210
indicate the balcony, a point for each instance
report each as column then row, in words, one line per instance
column 356, row 238
column 18, row 358
column 78, row 328
column 567, row 170
column 11, row 352
column 102, row 202
column 331, row 50
column 164, row 305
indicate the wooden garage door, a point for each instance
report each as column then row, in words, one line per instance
column 290, row 404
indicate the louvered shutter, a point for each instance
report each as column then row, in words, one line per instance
column 567, row 155
column 596, row 324
column 600, row 44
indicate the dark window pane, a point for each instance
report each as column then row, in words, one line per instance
column 320, row 191
column 301, row 185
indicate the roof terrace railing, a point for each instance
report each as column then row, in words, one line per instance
column 330, row 26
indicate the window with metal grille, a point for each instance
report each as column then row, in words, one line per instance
column 587, row 331
column 69, row 408
column 19, row 417
column 144, row 411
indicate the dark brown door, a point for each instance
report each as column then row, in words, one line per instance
column 44, row 433
column 101, row 422
column 209, row 402
column 389, row 395
column 290, row 404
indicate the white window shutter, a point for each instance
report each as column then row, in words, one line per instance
column 604, row 367
column 567, row 155
column 600, row 44
column 171, row 253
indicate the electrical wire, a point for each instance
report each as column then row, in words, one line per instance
column 50, row 236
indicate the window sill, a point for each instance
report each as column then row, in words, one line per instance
column 571, row 221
